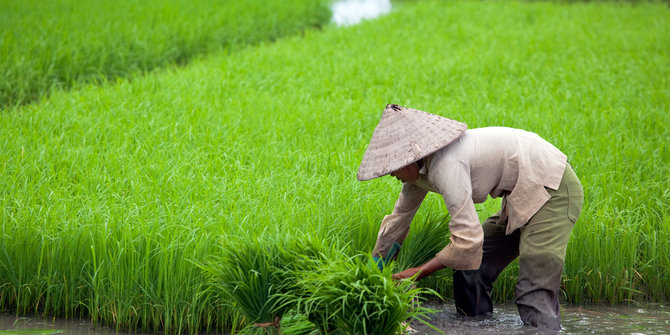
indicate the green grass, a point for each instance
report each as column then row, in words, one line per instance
column 111, row 195
column 45, row 45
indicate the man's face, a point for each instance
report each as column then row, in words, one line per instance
column 407, row 174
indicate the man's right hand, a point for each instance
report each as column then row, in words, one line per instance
column 420, row 271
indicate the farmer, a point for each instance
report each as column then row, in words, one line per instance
column 541, row 200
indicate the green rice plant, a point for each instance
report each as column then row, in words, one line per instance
column 258, row 277
column 46, row 45
column 291, row 324
column 425, row 239
column 349, row 295
column 306, row 254
column 248, row 273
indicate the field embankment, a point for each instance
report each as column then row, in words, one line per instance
column 46, row 45
column 109, row 194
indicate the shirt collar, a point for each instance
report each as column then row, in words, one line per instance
column 424, row 168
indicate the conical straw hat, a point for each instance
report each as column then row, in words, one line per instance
column 403, row 136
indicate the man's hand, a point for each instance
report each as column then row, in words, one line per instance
column 407, row 274
column 422, row 270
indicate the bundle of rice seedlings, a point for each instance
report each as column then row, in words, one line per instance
column 306, row 254
column 291, row 324
column 351, row 296
column 425, row 239
column 247, row 274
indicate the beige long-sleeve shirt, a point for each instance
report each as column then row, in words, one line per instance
column 495, row 161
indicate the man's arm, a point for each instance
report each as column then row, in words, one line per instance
column 464, row 251
column 394, row 227
column 422, row 271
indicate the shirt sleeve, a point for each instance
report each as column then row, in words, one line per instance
column 394, row 227
column 464, row 251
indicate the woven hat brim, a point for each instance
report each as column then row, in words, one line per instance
column 403, row 136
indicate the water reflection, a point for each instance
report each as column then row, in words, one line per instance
column 650, row 319
column 34, row 325
column 349, row 12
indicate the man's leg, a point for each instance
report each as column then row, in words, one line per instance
column 542, row 248
column 472, row 289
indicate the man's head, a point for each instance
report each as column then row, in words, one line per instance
column 407, row 174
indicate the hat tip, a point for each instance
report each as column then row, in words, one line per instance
column 393, row 106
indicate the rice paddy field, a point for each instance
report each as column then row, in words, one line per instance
column 122, row 198
column 47, row 45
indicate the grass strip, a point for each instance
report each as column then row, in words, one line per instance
column 46, row 45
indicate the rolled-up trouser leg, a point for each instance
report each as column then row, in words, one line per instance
column 542, row 248
column 472, row 289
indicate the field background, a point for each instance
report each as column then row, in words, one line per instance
column 46, row 45
column 112, row 191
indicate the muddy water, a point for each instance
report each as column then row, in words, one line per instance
column 650, row 319
column 10, row 324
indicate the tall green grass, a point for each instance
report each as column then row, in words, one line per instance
column 46, row 45
column 111, row 196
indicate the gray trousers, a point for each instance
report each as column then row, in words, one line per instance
column 540, row 246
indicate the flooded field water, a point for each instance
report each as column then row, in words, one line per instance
column 24, row 325
column 647, row 320
column 650, row 319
